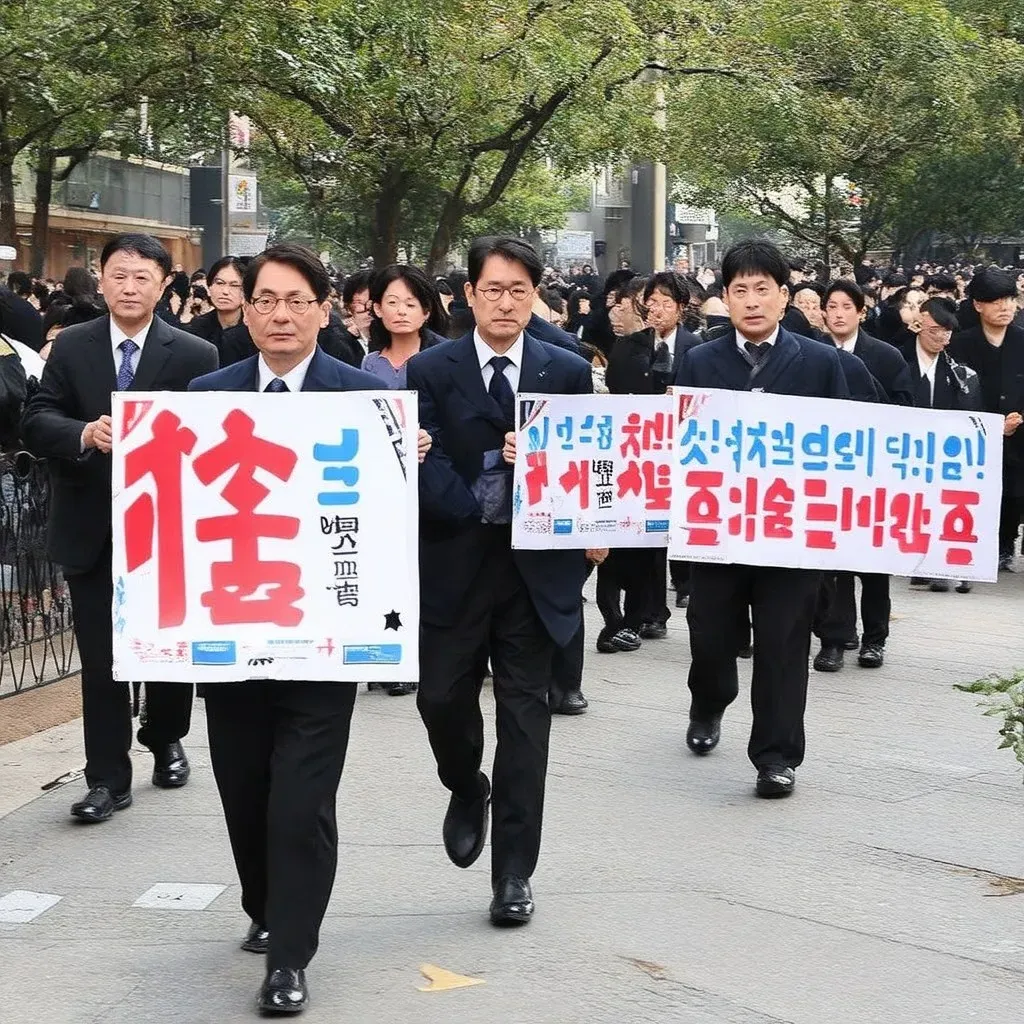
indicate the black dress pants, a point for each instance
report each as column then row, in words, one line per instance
column 680, row 575
column 781, row 602
column 106, row 704
column 1009, row 517
column 567, row 667
column 838, row 620
column 278, row 750
column 499, row 618
column 625, row 588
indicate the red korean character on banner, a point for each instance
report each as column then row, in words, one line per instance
column 820, row 512
column 778, row 510
column 161, row 457
column 231, row 597
column 911, row 519
column 536, row 476
column 746, row 521
column 703, row 508
column 577, row 476
column 654, row 481
column 657, row 432
column 631, row 431
column 958, row 525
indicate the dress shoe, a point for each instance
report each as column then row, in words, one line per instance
column 828, row 659
column 852, row 645
column 572, row 702
column 776, row 780
column 283, row 991
column 513, row 901
column 170, row 766
column 1006, row 563
column 99, row 804
column 918, row 581
column 465, row 825
column 401, row 689
column 256, row 940
column 703, row 735
column 623, row 639
column 653, row 631
column 746, row 651
column 370, row 687
column 682, row 600
column 939, row 586
column 871, row 656
column 963, row 587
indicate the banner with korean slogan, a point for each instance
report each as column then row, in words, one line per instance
column 592, row 471
column 765, row 479
column 265, row 536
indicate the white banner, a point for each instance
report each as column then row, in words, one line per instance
column 242, row 193
column 592, row 471
column 765, row 479
column 265, row 536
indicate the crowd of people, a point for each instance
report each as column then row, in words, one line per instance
column 944, row 338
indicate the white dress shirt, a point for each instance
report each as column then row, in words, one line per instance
column 117, row 336
column 927, row 370
column 850, row 345
column 741, row 342
column 670, row 340
column 485, row 354
column 294, row 378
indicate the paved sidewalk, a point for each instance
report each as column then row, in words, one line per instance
column 666, row 892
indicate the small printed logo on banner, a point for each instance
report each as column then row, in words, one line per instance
column 213, row 652
column 538, row 522
column 289, row 643
column 657, row 526
column 563, row 526
column 598, row 526
column 372, row 654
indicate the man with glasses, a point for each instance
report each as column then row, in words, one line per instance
column 478, row 596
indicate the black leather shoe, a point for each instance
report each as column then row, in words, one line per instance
column 746, row 651
column 828, row 659
column 851, row 645
column 653, row 631
column 572, row 703
column 170, row 766
column 513, row 901
column 401, row 689
column 939, row 586
column 682, row 600
column 703, row 735
column 465, row 826
column 99, row 804
column 871, row 656
column 963, row 587
column 283, row 991
column 256, row 940
column 776, row 781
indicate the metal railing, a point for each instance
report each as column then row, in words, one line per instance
column 37, row 643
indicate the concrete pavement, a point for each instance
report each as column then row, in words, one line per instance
column 886, row 889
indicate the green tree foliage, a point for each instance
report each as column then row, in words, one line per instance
column 1005, row 699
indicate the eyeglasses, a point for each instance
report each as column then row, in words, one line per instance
column 268, row 303
column 494, row 292
column 235, row 286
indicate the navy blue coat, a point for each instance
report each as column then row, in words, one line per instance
column 887, row 366
column 464, row 422
column 795, row 366
column 551, row 333
column 325, row 373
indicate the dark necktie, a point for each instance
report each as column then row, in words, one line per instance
column 758, row 352
column 276, row 386
column 125, row 373
column 923, row 394
column 501, row 391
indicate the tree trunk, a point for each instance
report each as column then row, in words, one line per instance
column 41, row 212
column 387, row 215
column 447, row 224
column 8, row 228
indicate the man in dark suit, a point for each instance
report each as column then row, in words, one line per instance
column 278, row 748
column 844, row 311
column 67, row 422
column 544, row 330
column 757, row 354
column 22, row 321
column 478, row 595
column 995, row 351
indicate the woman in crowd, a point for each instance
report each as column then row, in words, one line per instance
column 225, row 291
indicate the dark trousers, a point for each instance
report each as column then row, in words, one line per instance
column 836, row 617
column 1009, row 518
column 781, row 602
column 278, row 749
column 500, row 619
column 659, row 612
column 680, row 575
column 625, row 588
column 567, row 667
column 106, row 704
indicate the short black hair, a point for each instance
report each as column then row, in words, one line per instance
column 508, row 248
column 810, row 286
column 225, row 261
column 79, row 283
column 20, row 283
column 671, row 283
column 421, row 286
column 755, row 257
column 943, row 312
column 442, row 286
column 146, row 246
column 940, row 282
column 850, row 289
column 355, row 283
column 633, row 289
column 992, row 284
column 552, row 298
column 196, row 274
column 299, row 258
column 895, row 280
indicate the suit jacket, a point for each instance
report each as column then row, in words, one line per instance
column 325, row 373
column 863, row 386
column 956, row 386
column 631, row 369
column 464, row 422
column 208, row 327
column 795, row 366
column 77, row 383
column 551, row 333
column 887, row 366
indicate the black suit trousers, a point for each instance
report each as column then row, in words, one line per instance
column 781, row 602
column 837, row 619
column 106, row 704
column 278, row 750
column 500, row 619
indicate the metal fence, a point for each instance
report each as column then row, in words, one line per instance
column 36, row 639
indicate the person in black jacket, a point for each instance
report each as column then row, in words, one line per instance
column 22, row 321
column 225, row 290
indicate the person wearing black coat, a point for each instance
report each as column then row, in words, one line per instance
column 225, row 289
column 22, row 321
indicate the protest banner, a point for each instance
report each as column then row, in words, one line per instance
column 262, row 536
column 765, row 479
column 592, row 471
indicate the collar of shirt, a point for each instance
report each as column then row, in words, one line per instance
column 668, row 339
column 117, row 336
column 850, row 345
column 484, row 354
column 927, row 368
column 294, row 378
column 741, row 342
